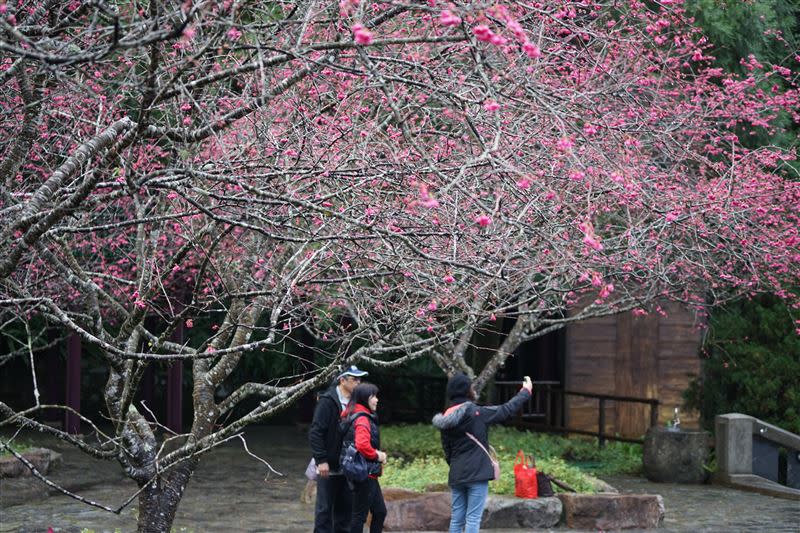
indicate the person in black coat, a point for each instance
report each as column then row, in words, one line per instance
column 461, row 425
column 333, row 509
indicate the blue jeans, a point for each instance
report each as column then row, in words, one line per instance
column 467, row 506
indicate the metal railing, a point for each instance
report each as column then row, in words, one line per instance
column 545, row 409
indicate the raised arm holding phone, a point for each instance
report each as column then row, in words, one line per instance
column 464, row 428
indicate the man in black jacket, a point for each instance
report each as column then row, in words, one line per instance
column 334, row 499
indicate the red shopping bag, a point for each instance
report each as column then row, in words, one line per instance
column 525, row 485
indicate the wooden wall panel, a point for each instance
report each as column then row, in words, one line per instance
column 636, row 370
column 647, row 357
column 679, row 364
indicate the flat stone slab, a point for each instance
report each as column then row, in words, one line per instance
column 612, row 511
column 413, row 511
column 505, row 512
column 42, row 458
column 430, row 511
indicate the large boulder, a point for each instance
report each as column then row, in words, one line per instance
column 413, row 511
column 509, row 512
column 42, row 459
column 612, row 511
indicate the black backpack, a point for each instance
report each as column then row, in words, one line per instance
column 354, row 466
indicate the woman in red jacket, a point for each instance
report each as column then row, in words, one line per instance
column 362, row 429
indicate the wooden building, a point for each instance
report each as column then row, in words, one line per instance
column 651, row 356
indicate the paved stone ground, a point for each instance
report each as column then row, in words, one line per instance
column 231, row 492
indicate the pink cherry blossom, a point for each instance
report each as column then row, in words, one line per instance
column 531, row 50
column 447, row 18
column 234, row 34
column 483, row 220
column 188, row 33
column 483, row 33
column 362, row 35
column 564, row 144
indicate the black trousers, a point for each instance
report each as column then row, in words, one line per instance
column 333, row 510
column 367, row 497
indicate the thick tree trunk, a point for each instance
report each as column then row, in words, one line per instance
column 159, row 501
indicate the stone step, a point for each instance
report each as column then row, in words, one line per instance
column 753, row 483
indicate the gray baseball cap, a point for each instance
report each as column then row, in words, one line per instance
column 354, row 371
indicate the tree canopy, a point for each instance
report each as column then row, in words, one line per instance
column 388, row 177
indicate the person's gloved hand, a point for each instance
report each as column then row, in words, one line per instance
column 527, row 383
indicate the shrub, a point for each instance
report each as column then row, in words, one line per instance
column 409, row 441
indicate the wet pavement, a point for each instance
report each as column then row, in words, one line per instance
column 233, row 492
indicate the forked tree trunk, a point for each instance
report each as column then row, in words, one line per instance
column 159, row 501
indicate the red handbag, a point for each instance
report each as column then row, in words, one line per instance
column 525, row 485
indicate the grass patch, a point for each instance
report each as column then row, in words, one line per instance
column 417, row 458
column 423, row 471
column 17, row 446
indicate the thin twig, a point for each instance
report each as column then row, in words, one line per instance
column 251, row 454
column 55, row 486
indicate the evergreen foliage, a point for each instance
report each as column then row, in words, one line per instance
column 768, row 29
column 751, row 365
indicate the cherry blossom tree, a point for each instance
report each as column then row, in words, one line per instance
column 389, row 177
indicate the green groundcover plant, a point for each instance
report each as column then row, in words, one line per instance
column 17, row 446
column 418, row 462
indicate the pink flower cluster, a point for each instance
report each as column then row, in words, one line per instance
column 234, row 34
column 484, row 33
column 491, row 106
column 347, row 6
column 361, row 34
column 426, row 199
column 483, row 220
column 447, row 18
column 589, row 238
column 531, row 50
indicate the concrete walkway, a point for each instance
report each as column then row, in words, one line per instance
column 232, row 492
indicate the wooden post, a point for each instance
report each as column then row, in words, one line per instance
column 175, row 388
column 420, row 389
column 653, row 414
column 601, row 424
column 72, row 423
